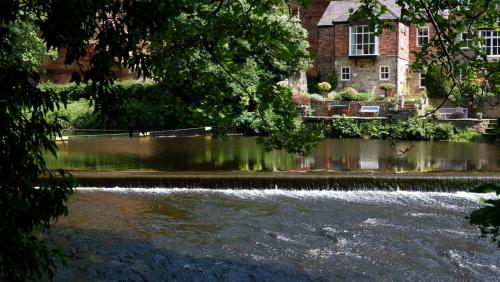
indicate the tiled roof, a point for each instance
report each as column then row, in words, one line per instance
column 338, row 11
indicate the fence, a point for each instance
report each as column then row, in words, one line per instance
column 199, row 131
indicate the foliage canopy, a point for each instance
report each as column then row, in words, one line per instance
column 226, row 55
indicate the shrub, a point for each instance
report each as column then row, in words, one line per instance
column 137, row 106
column 301, row 99
column 334, row 82
column 424, row 129
column 374, row 129
column 418, row 129
column 468, row 135
column 363, row 96
column 71, row 91
column 436, row 84
column 412, row 129
column 348, row 93
column 443, row 131
column 317, row 98
column 387, row 86
column 324, row 87
column 333, row 96
column 341, row 127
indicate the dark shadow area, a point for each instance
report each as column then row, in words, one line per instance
column 107, row 256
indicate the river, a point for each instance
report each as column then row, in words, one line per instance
column 237, row 153
column 272, row 235
column 165, row 234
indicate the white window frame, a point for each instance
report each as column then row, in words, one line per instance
column 492, row 47
column 467, row 41
column 342, row 73
column 420, row 86
column 388, row 72
column 370, row 34
column 422, row 36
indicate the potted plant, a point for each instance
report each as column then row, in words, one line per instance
column 324, row 87
column 387, row 88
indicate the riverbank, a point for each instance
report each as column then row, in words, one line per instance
column 311, row 180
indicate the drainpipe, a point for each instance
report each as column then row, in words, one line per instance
column 318, row 51
column 398, row 43
column 334, row 58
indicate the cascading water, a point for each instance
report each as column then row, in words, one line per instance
column 272, row 235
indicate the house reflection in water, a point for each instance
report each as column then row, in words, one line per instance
column 244, row 154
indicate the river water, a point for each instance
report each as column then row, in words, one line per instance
column 272, row 235
column 244, row 154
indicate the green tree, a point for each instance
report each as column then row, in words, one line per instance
column 226, row 55
column 24, row 133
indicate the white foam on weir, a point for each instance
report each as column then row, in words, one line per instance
column 361, row 196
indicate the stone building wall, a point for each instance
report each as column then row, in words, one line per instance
column 365, row 73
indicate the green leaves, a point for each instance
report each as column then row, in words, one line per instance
column 487, row 218
column 224, row 57
column 487, row 188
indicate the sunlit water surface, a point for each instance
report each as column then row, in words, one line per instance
column 272, row 235
column 237, row 153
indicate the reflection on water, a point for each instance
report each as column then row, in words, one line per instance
column 272, row 235
column 244, row 154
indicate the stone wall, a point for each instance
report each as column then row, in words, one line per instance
column 478, row 125
column 491, row 108
column 326, row 108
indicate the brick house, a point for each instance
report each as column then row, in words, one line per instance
column 361, row 59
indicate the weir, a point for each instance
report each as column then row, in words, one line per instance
column 286, row 181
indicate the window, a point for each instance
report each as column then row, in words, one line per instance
column 422, row 36
column 491, row 42
column 421, row 80
column 362, row 41
column 466, row 39
column 345, row 73
column 384, row 73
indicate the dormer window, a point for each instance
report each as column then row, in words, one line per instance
column 362, row 42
